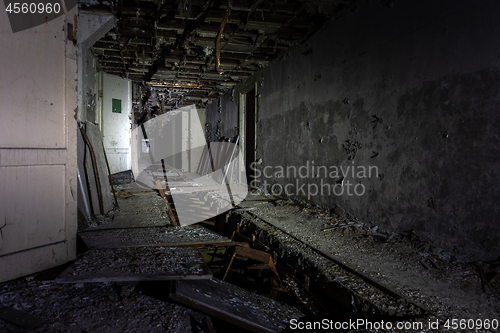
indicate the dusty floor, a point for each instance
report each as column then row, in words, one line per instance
column 111, row 307
column 447, row 284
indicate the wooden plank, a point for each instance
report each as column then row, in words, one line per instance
column 95, row 137
column 137, row 264
column 109, row 175
column 97, row 170
column 196, row 244
column 261, row 256
column 170, row 212
column 253, row 254
column 157, row 236
column 20, row 318
column 233, row 304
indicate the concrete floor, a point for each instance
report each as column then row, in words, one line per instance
column 410, row 277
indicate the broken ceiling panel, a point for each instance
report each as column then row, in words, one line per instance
column 174, row 42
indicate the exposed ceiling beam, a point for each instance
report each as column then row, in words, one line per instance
column 165, row 46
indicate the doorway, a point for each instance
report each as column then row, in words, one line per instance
column 247, row 122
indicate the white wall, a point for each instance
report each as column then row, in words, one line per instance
column 115, row 127
column 197, row 138
column 176, row 134
column 37, row 147
column 90, row 29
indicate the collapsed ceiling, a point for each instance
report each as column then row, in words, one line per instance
column 195, row 50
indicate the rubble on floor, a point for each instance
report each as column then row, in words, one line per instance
column 329, row 265
column 130, row 246
column 445, row 284
column 136, row 264
column 92, row 307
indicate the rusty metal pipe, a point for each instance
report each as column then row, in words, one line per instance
column 219, row 35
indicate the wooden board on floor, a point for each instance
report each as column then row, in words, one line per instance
column 233, row 304
column 170, row 212
column 153, row 236
column 136, row 264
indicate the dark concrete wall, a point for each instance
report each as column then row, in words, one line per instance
column 413, row 89
column 222, row 119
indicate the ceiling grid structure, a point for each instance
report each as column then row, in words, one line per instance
column 171, row 46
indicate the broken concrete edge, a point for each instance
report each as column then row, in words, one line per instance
column 100, row 228
column 204, row 308
column 344, row 285
column 179, row 244
column 121, row 265
column 154, row 237
column 92, row 278
column 232, row 318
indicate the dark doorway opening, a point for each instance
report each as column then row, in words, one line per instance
column 250, row 134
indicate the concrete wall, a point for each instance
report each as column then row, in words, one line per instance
column 37, row 147
column 222, row 118
column 411, row 89
column 116, row 127
column 196, row 138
